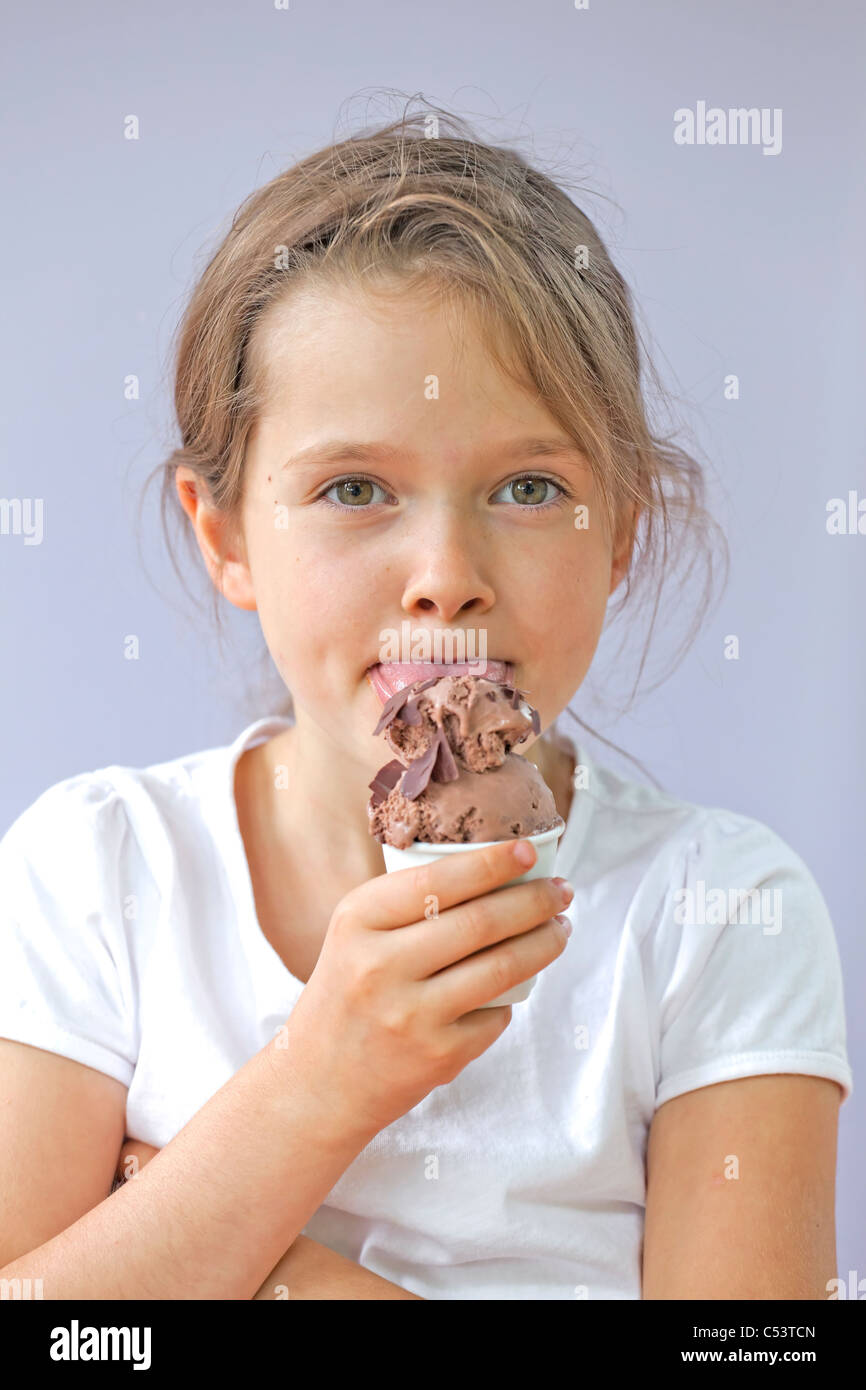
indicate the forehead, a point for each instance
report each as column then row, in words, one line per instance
column 333, row 322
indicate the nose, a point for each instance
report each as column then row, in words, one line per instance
column 445, row 579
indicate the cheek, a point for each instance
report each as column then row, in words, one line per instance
column 574, row 585
column 570, row 597
column 313, row 596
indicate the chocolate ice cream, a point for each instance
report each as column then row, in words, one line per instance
column 455, row 778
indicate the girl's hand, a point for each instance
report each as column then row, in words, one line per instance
column 393, row 1006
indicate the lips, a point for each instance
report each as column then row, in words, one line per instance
column 387, row 677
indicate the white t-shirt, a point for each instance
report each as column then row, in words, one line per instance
column 129, row 942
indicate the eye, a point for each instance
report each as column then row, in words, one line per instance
column 532, row 486
column 357, row 490
column 354, row 493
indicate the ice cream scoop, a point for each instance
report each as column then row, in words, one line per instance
column 455, row 779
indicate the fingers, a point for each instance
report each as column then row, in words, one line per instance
column 473, row 926
column 411, row 894
column 471, row 984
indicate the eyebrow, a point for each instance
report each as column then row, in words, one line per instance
column 337, row 450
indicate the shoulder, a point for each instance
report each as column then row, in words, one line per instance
column 671, row 850
column 735, row 869
column 89, row 824
column 85, row 810
column 723, row 837
column 70, row 866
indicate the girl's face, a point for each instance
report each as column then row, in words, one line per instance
column 451, row 522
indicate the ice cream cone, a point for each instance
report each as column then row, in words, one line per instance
column 421, row 852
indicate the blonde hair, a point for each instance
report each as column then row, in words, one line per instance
column 481, row 228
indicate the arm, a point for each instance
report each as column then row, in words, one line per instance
column 186, row 1228
column 307, row 1270
column 741, row 1191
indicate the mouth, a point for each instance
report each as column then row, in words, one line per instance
column 387, row 677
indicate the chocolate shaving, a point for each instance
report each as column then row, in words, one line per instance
column 385, row 781
column 419, row 770
column 411, row 713
column 391, row 708
column 514, row 690
column 395, row 702
column 445, row 768
column 437, row 764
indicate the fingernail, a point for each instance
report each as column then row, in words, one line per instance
column 524, row 853
column 565, row 888
column 561, row 917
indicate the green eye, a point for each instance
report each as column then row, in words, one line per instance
column 353, row 493
column 356, row 491
column 530, row 487
column 531, row 492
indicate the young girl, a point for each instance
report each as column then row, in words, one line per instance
column 408, row 393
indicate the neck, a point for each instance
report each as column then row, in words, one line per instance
column 316, row 794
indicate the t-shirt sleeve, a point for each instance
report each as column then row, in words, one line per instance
column 66, row 975
column 746, row 964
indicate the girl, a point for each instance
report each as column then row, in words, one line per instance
column 408, row 392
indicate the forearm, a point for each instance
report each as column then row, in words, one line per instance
column 309, row 1270
column 218, row 1206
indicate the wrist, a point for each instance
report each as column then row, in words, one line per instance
column 300, row 1088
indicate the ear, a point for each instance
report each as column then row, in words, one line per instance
column 622, row 553
column 222, row 552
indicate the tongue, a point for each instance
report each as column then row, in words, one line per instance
column 396, row 675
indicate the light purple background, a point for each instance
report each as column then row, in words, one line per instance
column 741, row 263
